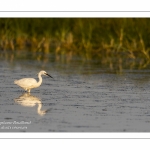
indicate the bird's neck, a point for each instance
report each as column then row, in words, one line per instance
column 40, row 79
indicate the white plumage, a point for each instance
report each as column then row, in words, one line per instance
column 29, row 83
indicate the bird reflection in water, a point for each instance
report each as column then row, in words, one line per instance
column 28, row 100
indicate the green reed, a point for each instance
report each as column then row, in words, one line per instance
column 116, row 42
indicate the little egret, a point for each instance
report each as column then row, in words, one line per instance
column 29, row 83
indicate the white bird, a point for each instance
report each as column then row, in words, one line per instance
column 29, row 83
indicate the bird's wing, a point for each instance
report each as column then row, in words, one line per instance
column 26, row 82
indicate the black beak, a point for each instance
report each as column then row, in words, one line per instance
column 48, row 75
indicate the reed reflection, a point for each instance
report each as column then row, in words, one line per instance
column 28, row 100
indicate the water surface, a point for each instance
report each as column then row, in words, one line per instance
column 82, row 97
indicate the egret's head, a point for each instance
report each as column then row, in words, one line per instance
column 45, row 73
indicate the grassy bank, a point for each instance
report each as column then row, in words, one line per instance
column 112, row 41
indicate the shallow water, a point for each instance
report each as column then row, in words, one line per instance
column 80, row 98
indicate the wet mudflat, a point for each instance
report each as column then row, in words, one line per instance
column 74, row 101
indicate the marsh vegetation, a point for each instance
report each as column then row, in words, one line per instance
column 115, row 43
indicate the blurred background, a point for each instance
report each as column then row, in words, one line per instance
column 112, row 43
